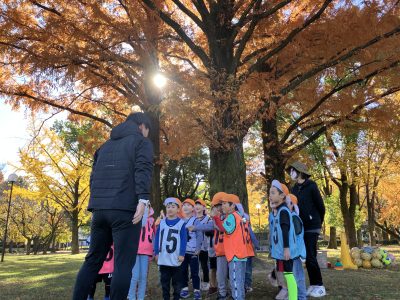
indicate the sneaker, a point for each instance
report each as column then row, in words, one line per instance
column 212, row 291
column 220, row 297
column 205, row 286
column 318, row 291
column 197, row 295
column 310, row 289
column 185, row 293
column 282, row 295
column 272, row 280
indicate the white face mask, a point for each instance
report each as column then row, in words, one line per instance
column 293, row 174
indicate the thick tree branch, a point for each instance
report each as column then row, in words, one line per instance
column 179, row 30
column 190, row 14
column 337, row 121
column 287, row 40
column 296, row 81
column 336, row 89
column 44, row 101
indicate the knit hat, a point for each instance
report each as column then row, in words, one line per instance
column 189, row 201
column 218, row 198
column 201, row 201
column 172, row 200
column 299, row 167
column 280, row 186
column 231, row 198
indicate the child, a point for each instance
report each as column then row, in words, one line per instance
column 251, row 243
column 193, row 247
column 208, row 228
column 105, row 274
column 236, row 231
column 203, row 218
column 298, row 270
column 222, row 263
column 169, row 248
column 137, row 289
column 282, row 237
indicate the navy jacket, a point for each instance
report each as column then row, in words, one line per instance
column 311, row 205
column 122, row 170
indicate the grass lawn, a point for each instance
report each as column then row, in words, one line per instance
column 45, row 277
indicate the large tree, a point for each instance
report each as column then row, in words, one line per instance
column 94, row 59
column 236, row 62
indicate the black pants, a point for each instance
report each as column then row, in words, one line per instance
column 109, row 226
column 107, row 284
column 191, row 261
column 203, row 257
column 314, row 273
column 167, row 274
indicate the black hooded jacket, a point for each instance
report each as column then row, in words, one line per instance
column 311, row 205
column 122, row 170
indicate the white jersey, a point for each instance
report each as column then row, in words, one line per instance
column 205, row 244
column 170, row 243
column 191, row 241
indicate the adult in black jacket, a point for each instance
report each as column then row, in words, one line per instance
column 119, row 193
column 312, row 213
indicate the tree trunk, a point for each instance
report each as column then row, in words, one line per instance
column 53, row 244
column 274, row 161
column 348, row 218
column 11, row 246
column 35, row 245
column 156, row 201
column 385, row 236
column 332, row 238
column 228, row 172
column 28, row 246
column 75, row 232
column 371, row 217
column 360, row 242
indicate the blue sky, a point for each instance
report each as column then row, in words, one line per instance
column 13, row 134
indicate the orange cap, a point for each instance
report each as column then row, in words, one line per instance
column 231, row 198
column 173, row 200
column 285, row 189
column 201, row 201
column 293, row 198
column 190, row 201
column 218, row 198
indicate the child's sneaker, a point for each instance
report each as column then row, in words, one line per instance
column 310, row 289
column 197, row 295
column 205, row 286
column 212, row 291
column 318, row 291
column 185, row 293
column 282, row 295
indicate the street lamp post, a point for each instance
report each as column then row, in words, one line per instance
column 12, row 178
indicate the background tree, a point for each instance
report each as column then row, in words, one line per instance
column 60, row 169
column 182, row 178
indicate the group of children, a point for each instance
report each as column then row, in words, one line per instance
column 222, row 244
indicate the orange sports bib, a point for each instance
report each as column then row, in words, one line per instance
column 235, row 244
